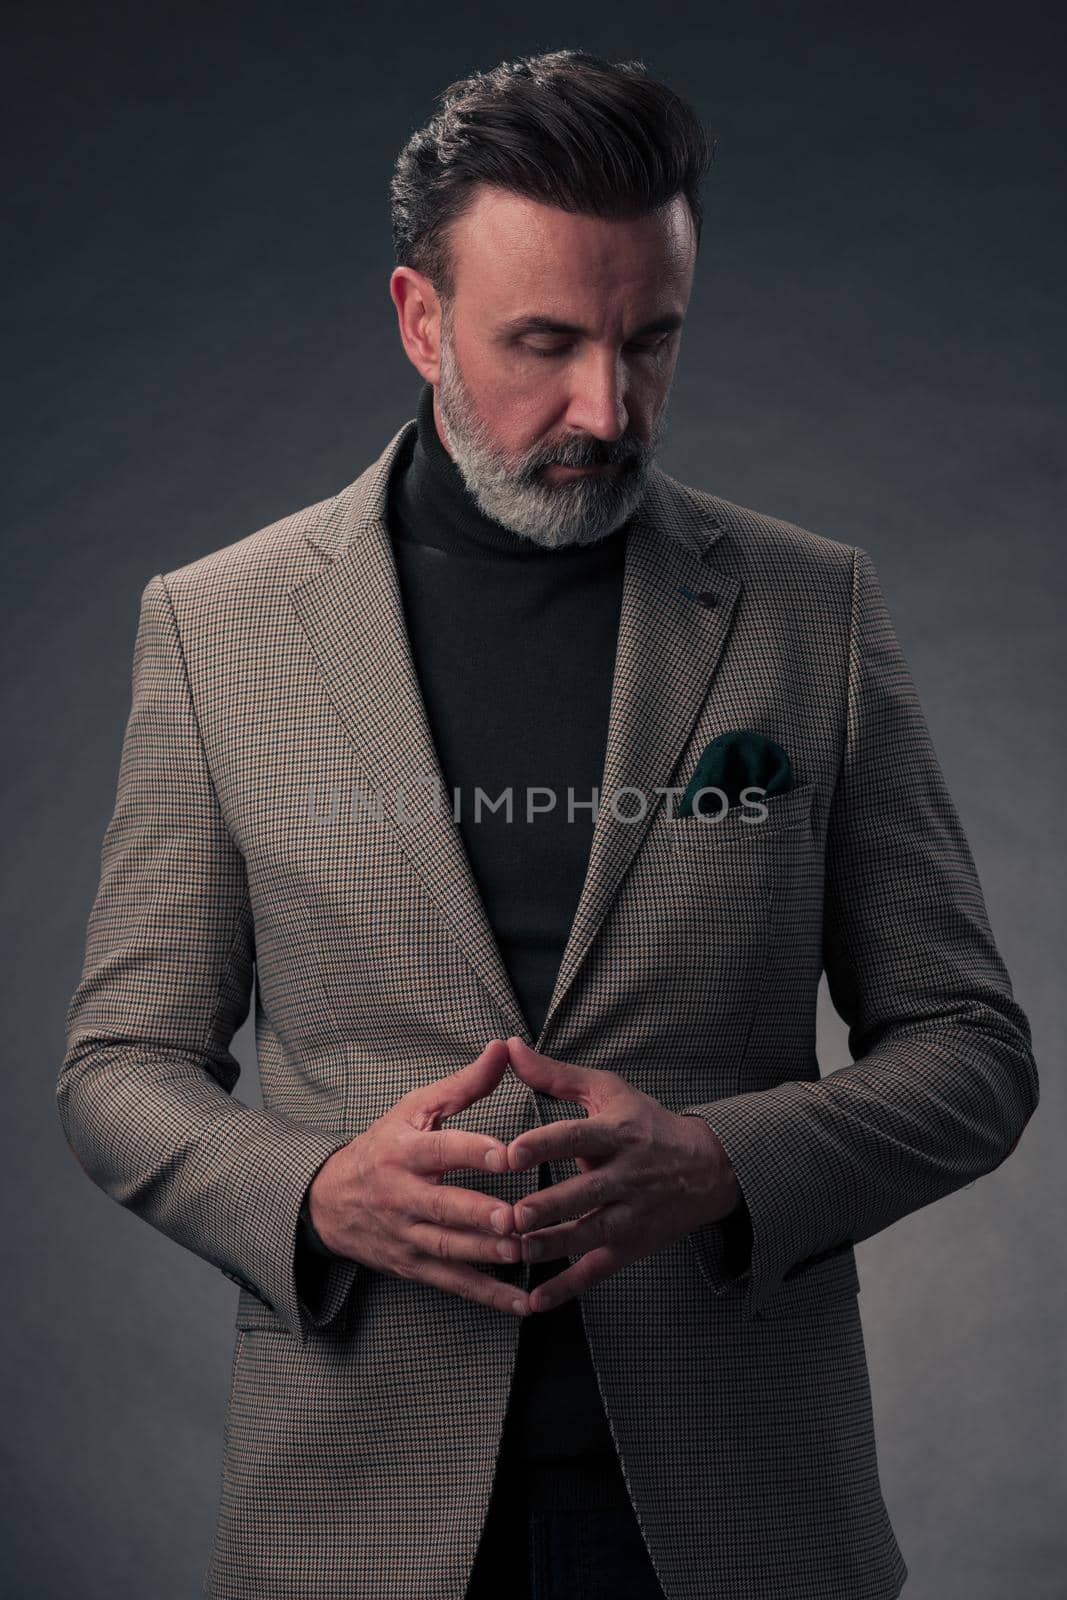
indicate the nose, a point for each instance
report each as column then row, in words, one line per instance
column 597, row 403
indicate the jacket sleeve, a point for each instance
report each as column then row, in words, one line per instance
column 943, row 1079
column 145, row 1091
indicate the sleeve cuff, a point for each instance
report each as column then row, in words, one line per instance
column 309, row 1236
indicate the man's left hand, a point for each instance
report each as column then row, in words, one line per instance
column 648, row 1175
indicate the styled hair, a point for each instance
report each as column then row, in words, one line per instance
column 566, row 128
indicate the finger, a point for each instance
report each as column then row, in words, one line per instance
column 470, row 1284
column 574, row 1238
column 432, row 1102
column 593, row 1138
column 446, row 1205
column 459, row 1244
column 573, row 1281
column 574, row 1197
column 448, row 1149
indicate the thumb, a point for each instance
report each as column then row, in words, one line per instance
column 565, row 1080
column 461, row 1088
column 527, row 1061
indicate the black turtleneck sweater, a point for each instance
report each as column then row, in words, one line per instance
column 514, row 648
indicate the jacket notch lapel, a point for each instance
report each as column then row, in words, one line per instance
column 669, row 644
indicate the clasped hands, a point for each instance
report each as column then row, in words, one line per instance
column 647, row 1176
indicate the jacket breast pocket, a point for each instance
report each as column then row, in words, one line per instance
column 734, row 871
column 744, row 826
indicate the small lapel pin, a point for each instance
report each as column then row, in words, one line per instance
column 705, row 596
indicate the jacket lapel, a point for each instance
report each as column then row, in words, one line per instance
column 669, row 645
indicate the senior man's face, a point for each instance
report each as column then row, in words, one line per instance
column 553, row 364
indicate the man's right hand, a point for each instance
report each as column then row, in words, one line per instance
column 380, row 1199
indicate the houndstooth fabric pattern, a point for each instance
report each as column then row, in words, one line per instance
column 273, row 676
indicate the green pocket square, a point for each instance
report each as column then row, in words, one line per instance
column 739, row 759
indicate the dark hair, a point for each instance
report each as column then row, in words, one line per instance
column 566, row 128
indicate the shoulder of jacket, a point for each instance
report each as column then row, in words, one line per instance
column 266, row 561
column 763, row 542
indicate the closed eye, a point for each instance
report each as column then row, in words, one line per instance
column 563, row 349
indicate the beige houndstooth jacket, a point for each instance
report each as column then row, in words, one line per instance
column 275, row 675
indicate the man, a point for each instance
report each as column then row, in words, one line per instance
column 658, row 1377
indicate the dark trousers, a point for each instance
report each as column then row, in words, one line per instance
column 528, row 1554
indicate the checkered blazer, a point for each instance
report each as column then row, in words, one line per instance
column 361, row 1436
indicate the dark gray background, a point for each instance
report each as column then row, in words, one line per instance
column 201, row 340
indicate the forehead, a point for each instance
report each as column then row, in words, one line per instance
column 508, row 248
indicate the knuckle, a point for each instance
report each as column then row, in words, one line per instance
column 441, row 1247
column 468, row 1287
column 380, row 1259
column 411, row 1247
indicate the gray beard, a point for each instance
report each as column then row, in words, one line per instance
column 582, row 511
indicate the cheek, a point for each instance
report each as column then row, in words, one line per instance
column 515, row 387
column 524, row 409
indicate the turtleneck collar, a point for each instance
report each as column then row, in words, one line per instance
column 430, row 504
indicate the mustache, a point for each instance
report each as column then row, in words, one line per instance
column 593, row 453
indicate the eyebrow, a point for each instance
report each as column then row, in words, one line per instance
column 539, row 324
